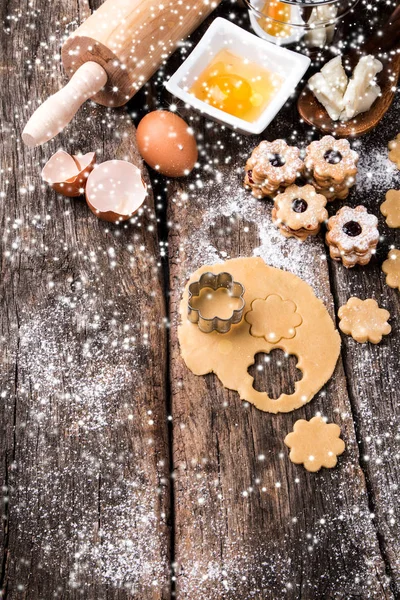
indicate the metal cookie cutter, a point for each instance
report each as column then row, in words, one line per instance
column 221, row 280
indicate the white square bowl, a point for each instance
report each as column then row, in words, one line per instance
column 223, row 34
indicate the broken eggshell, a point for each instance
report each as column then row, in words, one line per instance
column 115, row 190
column 68, row 174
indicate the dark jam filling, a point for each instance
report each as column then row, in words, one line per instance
column 250, row 176
column 277, row 160
column 333, row 157
column 352, row 228
column 299, row 205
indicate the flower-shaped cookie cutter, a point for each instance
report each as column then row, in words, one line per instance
column 215, row 282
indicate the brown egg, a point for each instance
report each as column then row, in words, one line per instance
column 166, row 143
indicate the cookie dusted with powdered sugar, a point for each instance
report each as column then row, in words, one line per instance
column 299, row 211
column 352, row 236
column 331, row 166
column 272, row 166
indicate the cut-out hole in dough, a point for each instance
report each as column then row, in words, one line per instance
column 275, row 373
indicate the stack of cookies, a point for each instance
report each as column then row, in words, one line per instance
column 331, row 167
column 272, row 166
column 352, row 236
column 299, row 212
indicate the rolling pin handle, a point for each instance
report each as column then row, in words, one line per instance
column 57, row 111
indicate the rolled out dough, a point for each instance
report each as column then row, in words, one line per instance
column 316, row 342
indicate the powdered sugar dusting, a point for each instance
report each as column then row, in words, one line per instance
column 261, row 564
column 376, row 173
column 92, row 500
column 85, row 382
column 366, row 240
column 237, row 203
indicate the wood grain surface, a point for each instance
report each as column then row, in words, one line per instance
column 248, row 523
column 373, row 371
column 84, row 442
column 91, row 371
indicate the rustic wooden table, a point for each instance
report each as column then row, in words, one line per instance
column 98, row 409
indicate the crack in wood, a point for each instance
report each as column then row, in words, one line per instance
column 161, row 201
column 93, row 5
column 369, row 488
column 7, row 486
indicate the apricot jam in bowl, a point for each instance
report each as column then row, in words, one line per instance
column 237, row 78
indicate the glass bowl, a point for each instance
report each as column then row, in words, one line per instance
column 308, row 23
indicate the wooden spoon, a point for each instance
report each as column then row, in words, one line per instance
column 388, row 43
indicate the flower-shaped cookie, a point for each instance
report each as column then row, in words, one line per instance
column 352, row 235
column 394, row 150
column 391, row 267
column 299, row 211
column 331, row 160
column 364, row 320
column 315, row 443
column 391, row 207
column 272, row 165
column 273, row 318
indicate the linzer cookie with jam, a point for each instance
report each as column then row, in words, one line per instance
column 352, row 236
column 271, row 167
column 299, row 212
column 331, row 166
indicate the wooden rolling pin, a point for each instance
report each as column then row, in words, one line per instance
column 113, row 54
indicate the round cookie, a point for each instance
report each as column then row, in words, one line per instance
column 315, row 342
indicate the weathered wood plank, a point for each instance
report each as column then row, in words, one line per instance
column 83, row 444
column 312, row 538
column 248, row 523
column 373, row 371
column 248, row 526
